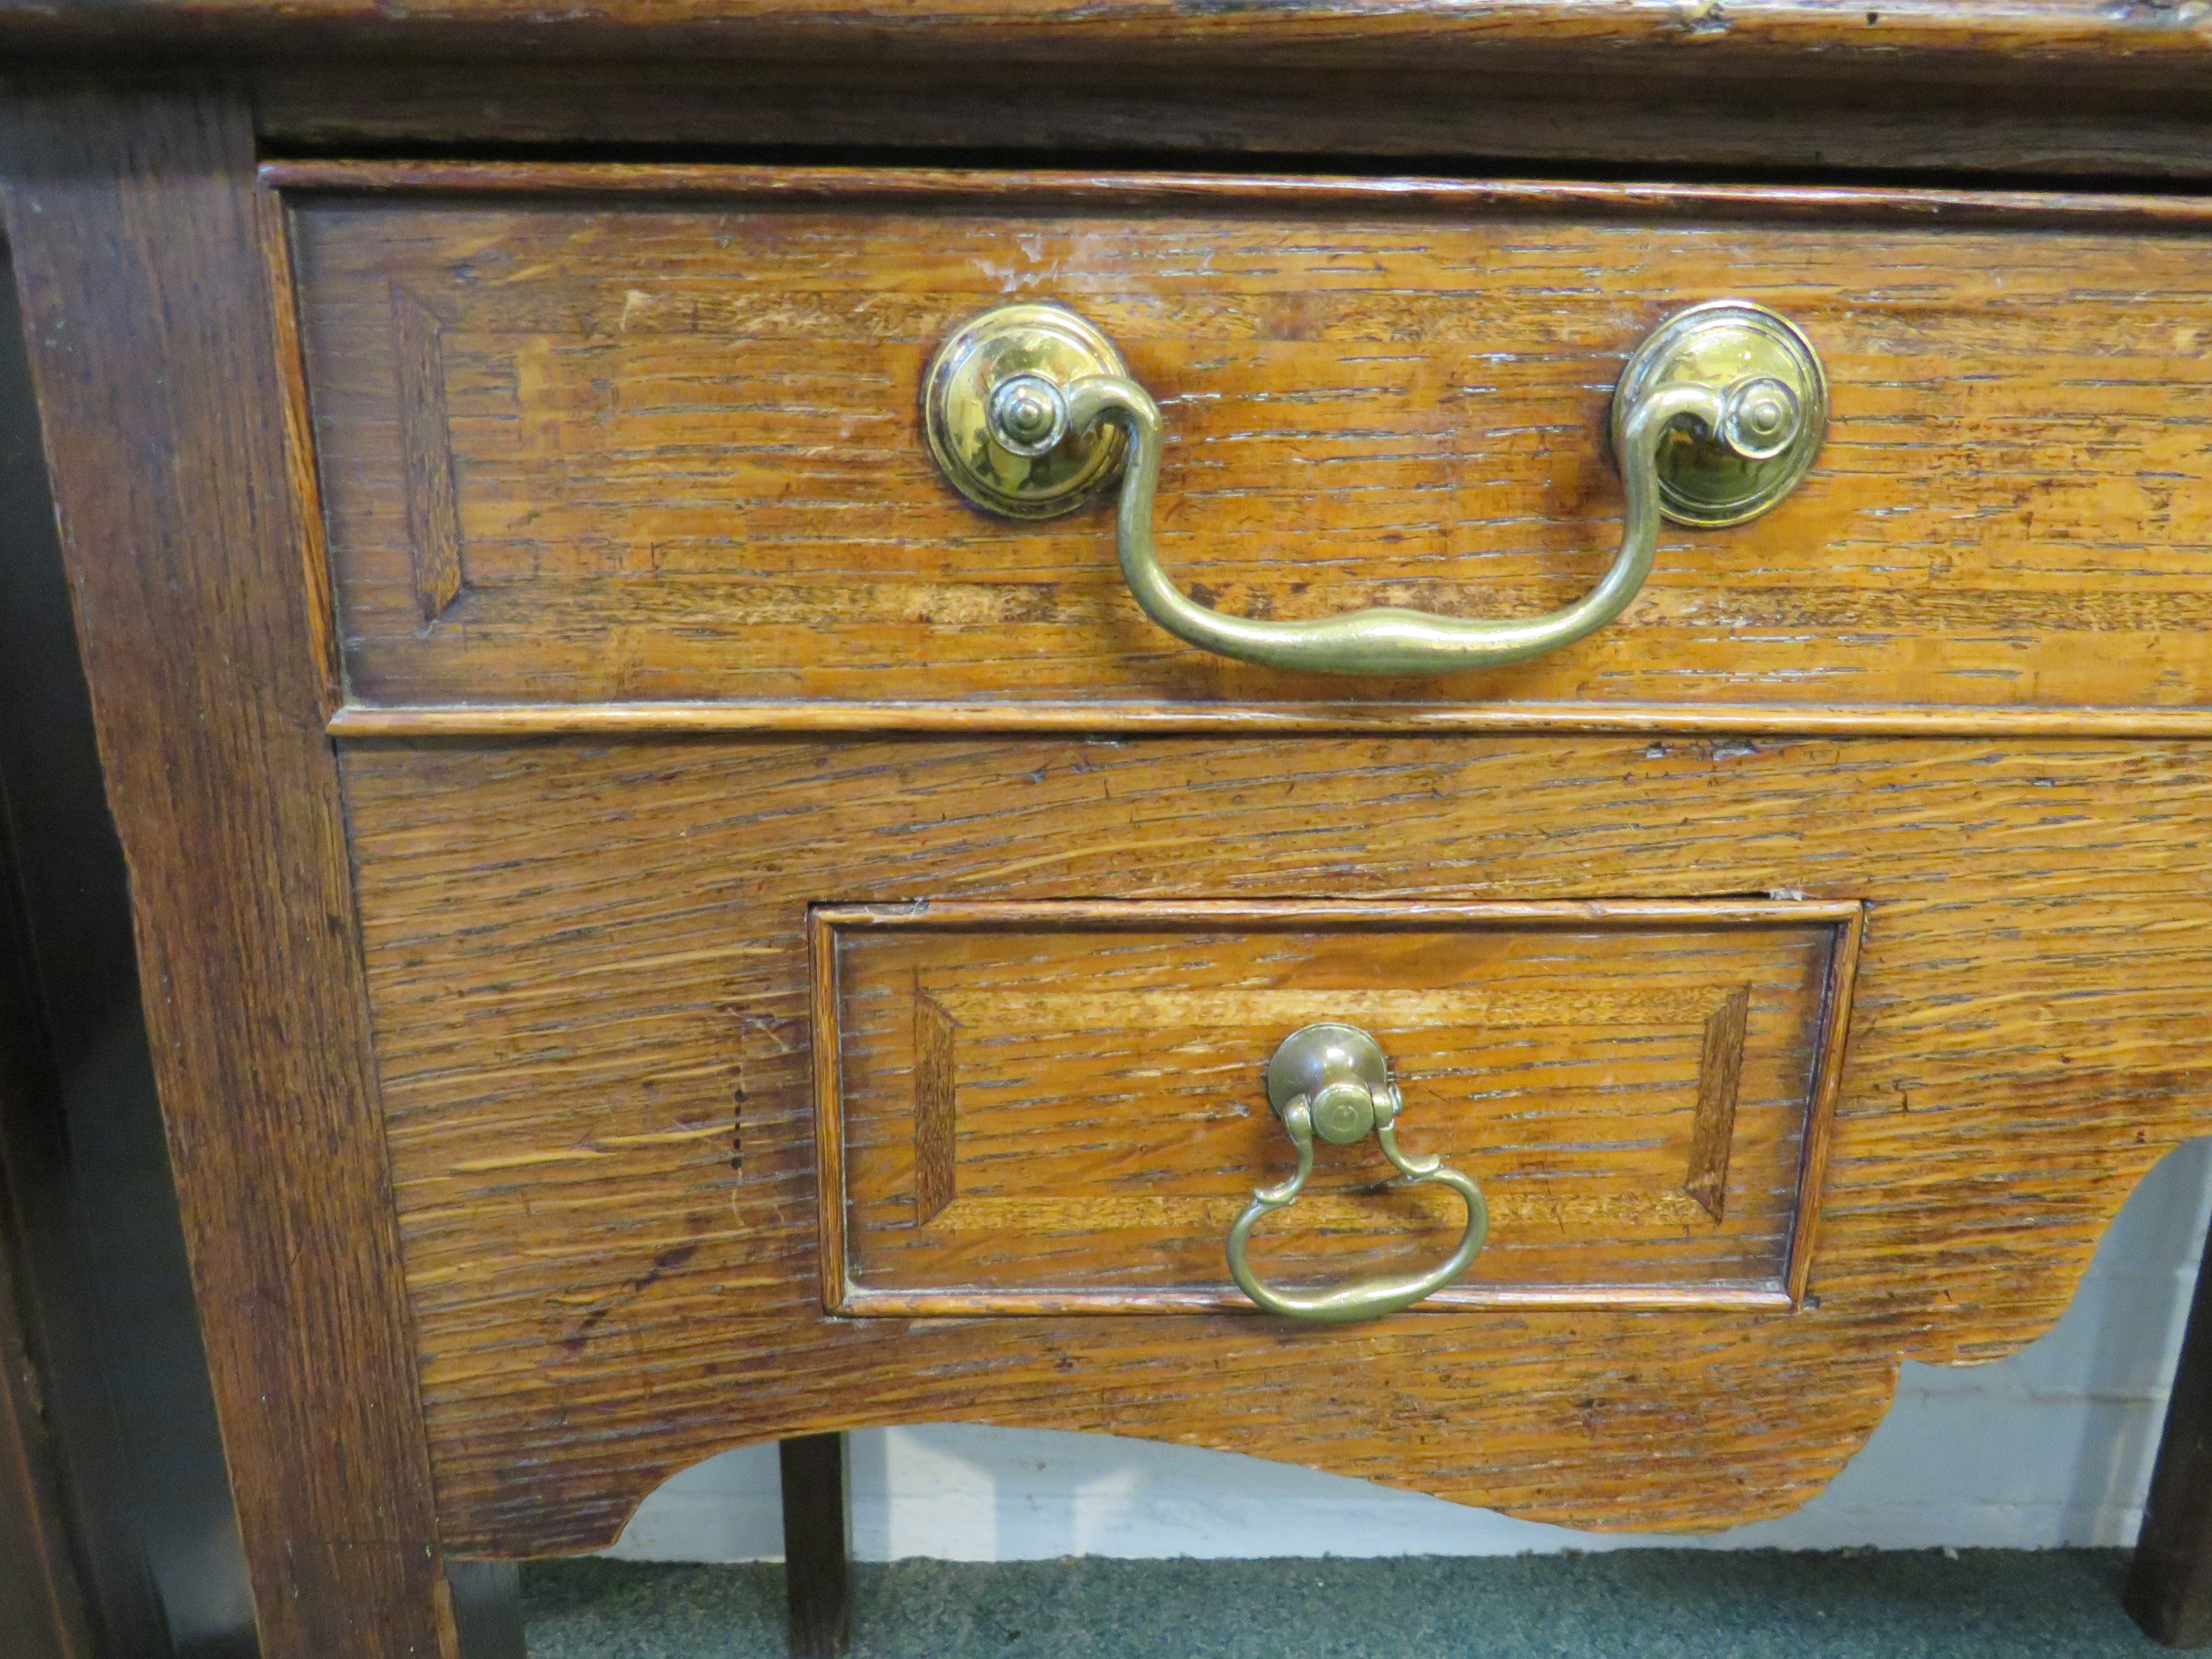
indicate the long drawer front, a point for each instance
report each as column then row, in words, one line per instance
column 599, row 439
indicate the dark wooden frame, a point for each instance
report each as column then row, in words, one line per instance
column 2073, row 86
column 139, row 259
column 172, row 432
column 103, row 1286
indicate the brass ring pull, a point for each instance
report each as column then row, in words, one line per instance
column 1717, row 416
column 1333, row 1081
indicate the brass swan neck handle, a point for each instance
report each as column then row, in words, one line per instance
column 1383, row 640
column 1019, row 433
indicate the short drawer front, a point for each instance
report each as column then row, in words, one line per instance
column 581, row 450
column 1059, row 1108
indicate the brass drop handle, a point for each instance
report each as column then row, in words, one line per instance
column 1334, row 1080
column 1717, row 416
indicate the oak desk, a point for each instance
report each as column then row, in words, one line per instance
column 666, row 926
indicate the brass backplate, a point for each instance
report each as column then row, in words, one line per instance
column 1315, row 1057
column 1732, row 345
column 1042, row 340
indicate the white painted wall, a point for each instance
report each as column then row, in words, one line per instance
column 2052, row 1446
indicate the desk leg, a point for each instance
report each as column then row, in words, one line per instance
column 487, row 1608
column 145, row 255
column 2169, row 1589
column 818, row 1544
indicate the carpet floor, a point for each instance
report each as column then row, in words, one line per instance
column 1624, row 1604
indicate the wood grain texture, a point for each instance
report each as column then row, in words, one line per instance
column 574, row 947
column 1092, row 1075
column 140, row 259
column 683, row 445
column 818, row 1544
column 40, row 1598
column 1682, row 115
column 936, row 1035
column 605, row 719
column 43, row 1605
column 107, row 1293
column 2000, row 41
column 1235, row 193
column 1720, row 1080
column 300, row 447
column 426, row 455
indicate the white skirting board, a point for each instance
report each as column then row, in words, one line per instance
column 2051, row 1447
